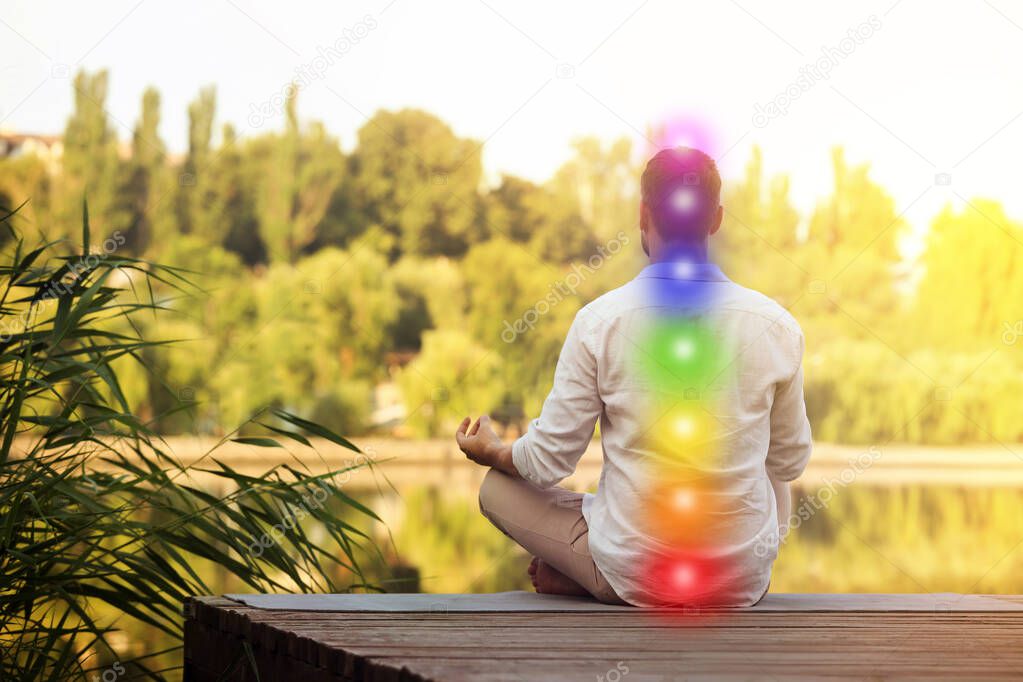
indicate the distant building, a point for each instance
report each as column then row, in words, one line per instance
column 48, row 148
column 389, row 411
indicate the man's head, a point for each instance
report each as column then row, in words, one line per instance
column 681, row 202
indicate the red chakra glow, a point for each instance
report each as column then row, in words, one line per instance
column 687, row 578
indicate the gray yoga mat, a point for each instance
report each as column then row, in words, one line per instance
column 530, row 601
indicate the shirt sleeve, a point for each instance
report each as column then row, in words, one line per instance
column 791, row 443
column 554, row 442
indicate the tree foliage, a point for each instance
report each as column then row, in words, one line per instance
column 330, row 272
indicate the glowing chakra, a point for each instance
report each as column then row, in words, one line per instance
column 684, row 348
column 684, row 269
column 685, row 129
column 684, row 499
column 683, row 200
column 685, row 427
column 683, row 576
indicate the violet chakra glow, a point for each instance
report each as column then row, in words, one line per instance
column 680, row 129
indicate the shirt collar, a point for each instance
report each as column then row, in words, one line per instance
column 684, row 270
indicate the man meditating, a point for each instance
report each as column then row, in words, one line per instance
column 698, row 386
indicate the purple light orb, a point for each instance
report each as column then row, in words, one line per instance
column 684, row 200
column 685, row 129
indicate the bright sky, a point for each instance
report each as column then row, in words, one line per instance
column 932, row 88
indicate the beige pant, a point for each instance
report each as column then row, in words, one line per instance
column 549, row 524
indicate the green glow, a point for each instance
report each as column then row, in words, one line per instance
column 679, row 354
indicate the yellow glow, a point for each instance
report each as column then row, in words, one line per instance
column 683, row 433
column 685, row 427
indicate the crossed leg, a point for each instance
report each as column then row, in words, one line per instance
column 549, row 524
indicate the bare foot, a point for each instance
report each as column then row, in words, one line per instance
column 533, row 566
column 549, row 580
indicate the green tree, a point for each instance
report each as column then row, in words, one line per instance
column 302, row 172
column 511, row 288
column 419, row 181
column 551, row 227
column 453, row 376
column 146, row 181
column 309, row 337
column 432, row 295
column 90, row 161
column 853, row 242
column 758, row 244
column 972, row 284
column 601, row 184
column 195, row 181
column 233, row 203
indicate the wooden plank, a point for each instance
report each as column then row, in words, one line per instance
column 502, row 602
column 407, row 647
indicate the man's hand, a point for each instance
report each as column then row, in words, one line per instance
column 482, row 445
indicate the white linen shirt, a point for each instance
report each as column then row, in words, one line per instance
column 759, row 402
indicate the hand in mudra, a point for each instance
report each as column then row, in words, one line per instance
column 482, row 445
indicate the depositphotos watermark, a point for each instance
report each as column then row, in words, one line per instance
column 314, row 500
column 615, row 674
column 364, row 459
column 314, row 69
column 86, row 263
column 1012, row 332
column 110, row 674
column 814, row 72
column 291, row 519
column 76, row 271
column 562, row 289
column 811, row 504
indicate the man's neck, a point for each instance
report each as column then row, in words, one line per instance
column 678, row 253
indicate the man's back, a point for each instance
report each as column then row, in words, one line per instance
column 743, row 404
column 697, row 385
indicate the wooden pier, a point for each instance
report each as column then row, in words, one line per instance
column 802, row 637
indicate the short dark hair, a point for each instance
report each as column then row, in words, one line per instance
column 675, row 169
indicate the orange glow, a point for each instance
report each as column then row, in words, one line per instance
column 680, row 512
column 683, row 500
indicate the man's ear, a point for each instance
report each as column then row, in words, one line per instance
column 716, row 225
column 644, row 227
